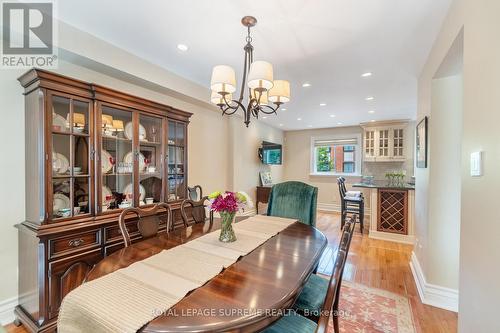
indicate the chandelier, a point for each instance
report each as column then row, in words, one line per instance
column 257, row 75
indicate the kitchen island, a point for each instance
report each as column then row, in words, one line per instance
column 392, row 211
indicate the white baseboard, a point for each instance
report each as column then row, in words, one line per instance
column 431, row 294
column 7, row 310
column 405, row 239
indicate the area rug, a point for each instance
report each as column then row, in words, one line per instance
column 368, row 310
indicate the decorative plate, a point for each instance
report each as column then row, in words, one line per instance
column 106, row 192
column 129, row 131
column 106, row 165
column 129, row 189
column 60, row 201
column 59, row 121
column 60, row 163
column 129, row 158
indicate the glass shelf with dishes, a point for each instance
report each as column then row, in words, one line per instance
column 117, row 159
column 176, row 160
column 70, row 157
column 151, row 159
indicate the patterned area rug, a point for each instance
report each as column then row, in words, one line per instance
column 368, row 310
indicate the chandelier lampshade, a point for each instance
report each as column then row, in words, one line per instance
column 258, row 81
column 260, row 75
column 218, row 99
column 280, row 92
column 263, row 97
column 223, row 79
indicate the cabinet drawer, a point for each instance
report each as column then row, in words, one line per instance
column 76, row 242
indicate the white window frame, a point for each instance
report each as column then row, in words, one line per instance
column 357, row 159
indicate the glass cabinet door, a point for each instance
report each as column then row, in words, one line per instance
column 70, row 157
column 151, row 156
column 117, row 159
column 176, row 160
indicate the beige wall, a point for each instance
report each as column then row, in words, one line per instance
column 445, row 170
column 298, row 163
column 222, row 153
column 479, row 227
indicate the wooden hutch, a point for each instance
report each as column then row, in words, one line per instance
column 90, row 152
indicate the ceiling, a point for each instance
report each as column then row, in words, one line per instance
column 327, row 43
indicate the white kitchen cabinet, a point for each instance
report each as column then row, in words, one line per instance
column 384, row 141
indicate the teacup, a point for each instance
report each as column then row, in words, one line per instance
column 76, row 210
column 149, row 201
column 65, row 212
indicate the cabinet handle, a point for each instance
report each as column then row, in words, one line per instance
column 76, row 242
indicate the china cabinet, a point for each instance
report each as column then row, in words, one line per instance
column 384, row 141
column 90, row 152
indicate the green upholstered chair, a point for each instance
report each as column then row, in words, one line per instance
column 295, row 200
column 292, row 323
column 313, row 296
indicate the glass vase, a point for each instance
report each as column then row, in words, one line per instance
column 226, row 231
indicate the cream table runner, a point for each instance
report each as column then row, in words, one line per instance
column 129, row 298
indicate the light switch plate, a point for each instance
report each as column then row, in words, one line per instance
column 476, row 164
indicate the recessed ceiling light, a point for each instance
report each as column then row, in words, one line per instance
column 264, row 117
column 370, row 98
column 322, row 104
column 283, row 109
column 305, row 85
column 339, row 123
column 309, row 125
column 182, row 47
column 332, row 115
column 373, row 120
column 281, row 124
column 371, row 111
column 299, row 119
column 367, row 74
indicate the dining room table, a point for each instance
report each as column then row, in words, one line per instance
column 247, row 296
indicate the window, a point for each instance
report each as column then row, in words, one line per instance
column 336, row 156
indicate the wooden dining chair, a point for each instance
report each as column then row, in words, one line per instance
column 296, row 323
column 197, row 211
column 314, row 293
column 148, row 221
column 195, row 193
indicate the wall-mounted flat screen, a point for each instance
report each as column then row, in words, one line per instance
column 271, row 153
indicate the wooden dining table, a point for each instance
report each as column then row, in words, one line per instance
column 245, row 297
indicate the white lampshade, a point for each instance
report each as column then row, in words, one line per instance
column 260, row 75
column 217, row 98
column 263, row 98
column 280, row 92
column 223, row 79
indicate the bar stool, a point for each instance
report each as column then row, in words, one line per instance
column 352, row 202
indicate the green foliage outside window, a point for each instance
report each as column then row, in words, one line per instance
column 324, row 162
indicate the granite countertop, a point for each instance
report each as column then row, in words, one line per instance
column 385, row 184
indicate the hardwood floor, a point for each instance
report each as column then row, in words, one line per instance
column 384, row 265
column 378, row 264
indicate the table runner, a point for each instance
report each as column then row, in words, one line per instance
column 129, row 298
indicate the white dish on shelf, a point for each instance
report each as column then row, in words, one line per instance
column 129, row 158
column 106, row 192
column 128, row 190
column 129, row 131
column 106, row 165
column 59, row 121
column 60, row 163
column 60, row 202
